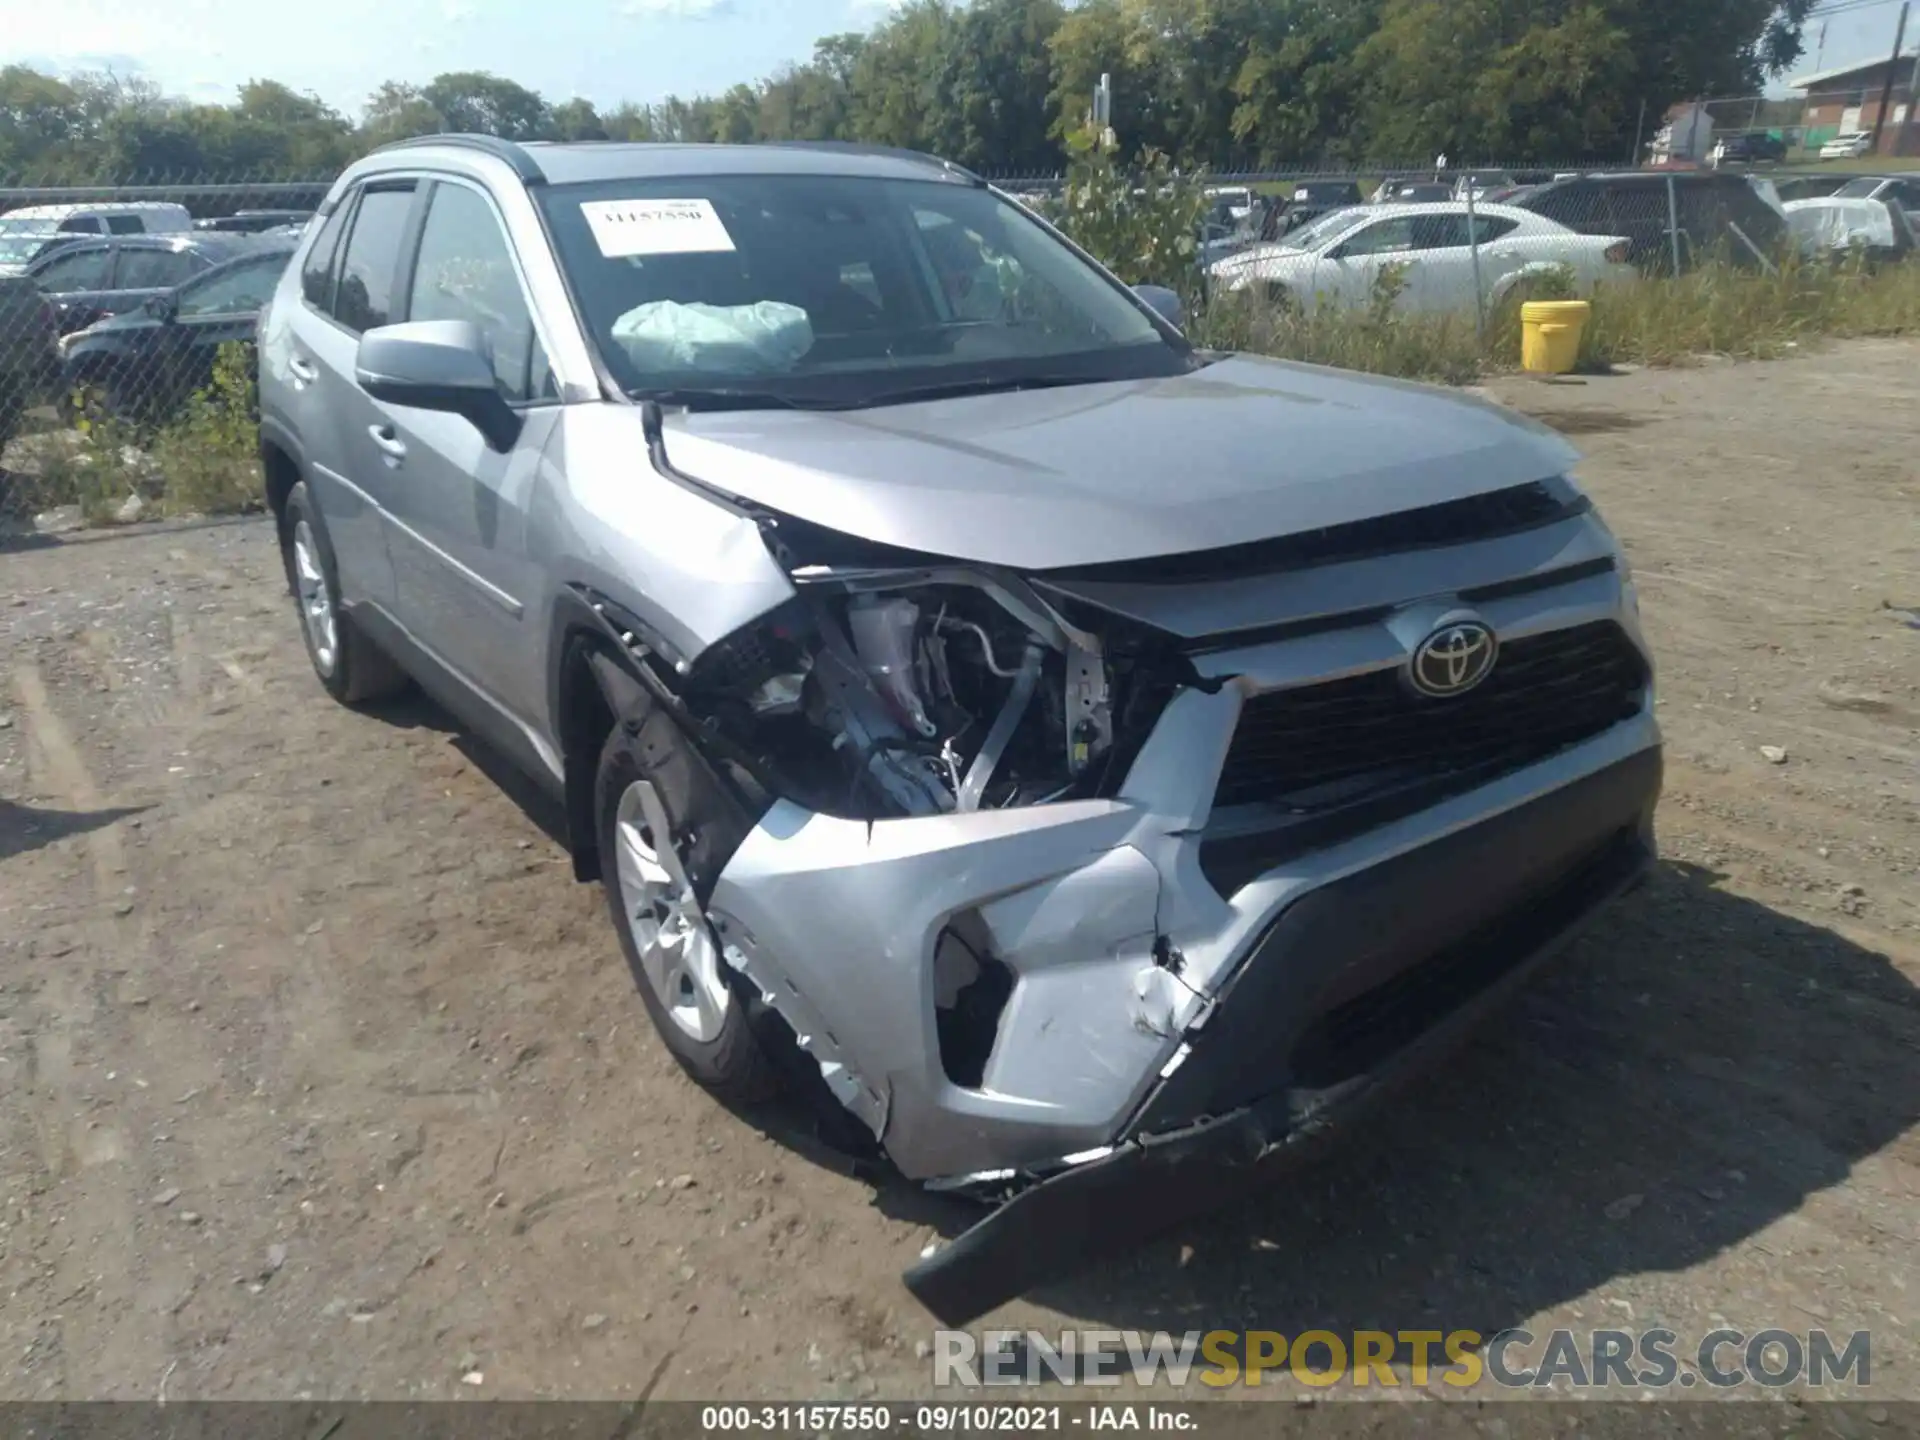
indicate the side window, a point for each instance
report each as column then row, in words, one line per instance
column 1383, row 237
column 70, row 270
column 154, row 269
column 464, row 271
column 80, row 225
column 125, row 225
column 1487, row 228
column 372, row 258
column 1440, row 232
column 316, row 279
column 237, row 290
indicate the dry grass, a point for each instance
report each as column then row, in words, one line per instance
column 1717, row 309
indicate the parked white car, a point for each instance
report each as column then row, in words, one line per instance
column 1848, row 146
column 104, row 217
column 1338, row 258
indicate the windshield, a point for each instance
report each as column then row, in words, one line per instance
column 1326, row 229
column 836, row 290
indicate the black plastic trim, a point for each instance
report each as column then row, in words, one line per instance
column 1182, row 1163
column 524, row 166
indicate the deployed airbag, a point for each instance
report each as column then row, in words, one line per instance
column 666, row 336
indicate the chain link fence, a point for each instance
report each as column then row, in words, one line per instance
column 127, row 313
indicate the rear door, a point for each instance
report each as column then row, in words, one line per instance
column 1442, row 275
column 146, row 269
column 458, row 507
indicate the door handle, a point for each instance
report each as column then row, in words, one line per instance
column 391, row 445
column 304, row 371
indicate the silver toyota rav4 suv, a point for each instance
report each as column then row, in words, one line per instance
column 1088, row 765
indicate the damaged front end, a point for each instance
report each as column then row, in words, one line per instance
column 917, row 688
column 1000, row 894
column 942, row 747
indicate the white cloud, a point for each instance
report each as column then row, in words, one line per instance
column 675, row 9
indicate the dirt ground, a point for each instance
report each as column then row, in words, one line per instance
column 321, row 1076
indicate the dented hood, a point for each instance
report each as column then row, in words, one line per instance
column 1245, row 449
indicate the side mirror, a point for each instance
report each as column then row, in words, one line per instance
column 437, row 365
column 1164, row 303
column 161, row 307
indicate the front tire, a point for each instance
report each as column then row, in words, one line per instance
column 351, row 667
column 665, row 831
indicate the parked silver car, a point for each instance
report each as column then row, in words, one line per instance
column 1089, row 763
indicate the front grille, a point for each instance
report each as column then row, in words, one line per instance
column 1347, row 742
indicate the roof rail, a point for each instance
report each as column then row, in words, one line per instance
column 890, row 152
column 523, row 164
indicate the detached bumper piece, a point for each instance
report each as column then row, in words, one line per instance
column 1356, row 986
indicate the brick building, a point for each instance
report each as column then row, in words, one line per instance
column 1848, row 98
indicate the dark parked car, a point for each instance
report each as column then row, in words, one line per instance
column 1398, row 190
column 92, row 279
column 27, row 360
column 142, row 364
column 252, row 222
column 1717, row 215
column 1754, row 148
column 1327, row 194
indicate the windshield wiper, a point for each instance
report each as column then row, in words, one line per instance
column 954, row 389
column 727, row 398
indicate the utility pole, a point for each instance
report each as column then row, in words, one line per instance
column 1886, row 90
column 1913, row 103
column 1103, row 111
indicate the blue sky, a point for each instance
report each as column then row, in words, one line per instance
column 606, row 50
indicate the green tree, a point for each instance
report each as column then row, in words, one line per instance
column 399, row 112
column 40, row 119
column 474, row 102
column 991, row 83
column 576, row 119
column 894, row 95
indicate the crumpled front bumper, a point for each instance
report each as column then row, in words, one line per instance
column 1355, row 986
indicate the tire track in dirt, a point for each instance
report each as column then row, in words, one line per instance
column 86, row 1158
column 102, row 1020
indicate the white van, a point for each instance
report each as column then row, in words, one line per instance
column 111, row 217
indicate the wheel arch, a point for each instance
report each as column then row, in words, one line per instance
column 281, row 466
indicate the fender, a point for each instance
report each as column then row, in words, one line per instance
column 598, row 643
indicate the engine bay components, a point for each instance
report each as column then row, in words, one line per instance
column 917, row 692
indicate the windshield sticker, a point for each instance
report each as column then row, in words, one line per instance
column 623, row 228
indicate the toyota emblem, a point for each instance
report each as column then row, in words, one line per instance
column 1453, row 659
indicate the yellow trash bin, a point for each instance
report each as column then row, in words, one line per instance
column 1550, row 335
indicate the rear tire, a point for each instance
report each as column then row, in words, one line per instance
column 658, row 886
column 352, row 668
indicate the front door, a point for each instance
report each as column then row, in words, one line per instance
column 1354, row 270
column 219, row 309
column 464, row 585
